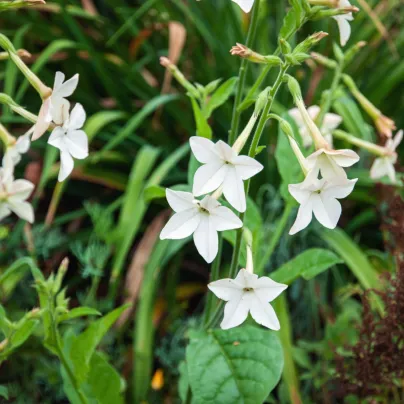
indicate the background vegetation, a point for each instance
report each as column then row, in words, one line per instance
column 107, row 217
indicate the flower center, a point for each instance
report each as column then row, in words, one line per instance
column 248, row 289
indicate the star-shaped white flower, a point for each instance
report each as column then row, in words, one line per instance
column 385, row 165
column 56, row 106
column 331, row 121
column 21, row 146
column 222, row 167
column 245, row 5
column 248, row 294
column 343, row 22
column 202, row 218
column 321, row 198
column 330, row 163
column 71, row 141
column 14, row 194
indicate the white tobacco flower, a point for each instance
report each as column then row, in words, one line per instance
column 202, row 218
column 245, row 5
column 222, row 167
column 330, row 163
column 56, row 106
column 71, row 141
column 321, row 198
column 385, row 165
column 343, row 22
column 14, row 194
column 21, row 146
column 248, row 294
column 330, row 123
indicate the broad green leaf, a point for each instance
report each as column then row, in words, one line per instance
column 78, row 312
column 221, row 95
column 202, row 127
column 154, row 192
column 288, row 165
column 99, row 120
column 237, row 366
column 13, row 275
column 4, row 392
column 307, row 265
column 212, row 86
column 85, row 344
column 192, row 167
column 104, row 381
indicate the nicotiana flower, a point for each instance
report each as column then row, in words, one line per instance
column 331, row 121
column 248, row 293
column 343, row 22
column 330, row 163
column 321, row 198
column 222, row 166
column 385, row 165
column 202, row 218
column 56, row 106
column 245, row 5
column 71, row 140
column 21, row 146
column 14, row 194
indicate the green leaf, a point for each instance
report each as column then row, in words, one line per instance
column 154, row 192
column 202, row 127
column 192, row 167
column 242, row 365
column 4, row 392
column 78, row 312
column 307, row 265
column 85, row 344
column 104, row 381
column 13, row 275
column 221, row 95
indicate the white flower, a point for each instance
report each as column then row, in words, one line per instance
column 56, row 106
column 14, row 194
column 343, row 22
column 245, row 5
column 21, row 146
column 248, row 293
column 385, row 165
column 71, row 141
column 319, row 197
column 203, row 219
column 330, row 163
column 330, row 122
column 222, row 167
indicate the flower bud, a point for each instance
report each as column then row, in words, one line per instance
column 322, row 60
column 252, row 56
column 261, row 101
column 353, row 50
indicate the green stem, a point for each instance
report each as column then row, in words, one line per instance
column 242, row 75
column 280, row 228
column 251, row 153
column 325, row 108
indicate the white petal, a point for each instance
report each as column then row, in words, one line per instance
column 66, row 165
column 379, row 168
column 391, row 172
column 247, row 167
column 303, row 219
column 21, row 189
column 331, row 122
column 181, row 225
column 246, row 278
column 226, row 289
column 224, row 219
column 67, row 88
column 344, row 28
column 330, row 170
column 43, row 122
column 203, row 149
column 60, row 110
column 245, row 5
column 264, row 314
column 77, row 144
column 209, row 177
column 235, row 313
column 224, row 151
column 397, row 139
column 57, row 138
column 325, row 216
column 206, row 239
column 4, row 211
column 233, row 190
column 297, row 117
column 300, row 193
column 344, row 157
column 24, row 142
column 209, row 203
column 179, row 200
column 22, row 209
column 339, row 191
column 267, row 289
column 333, row 209
column 77, row 117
